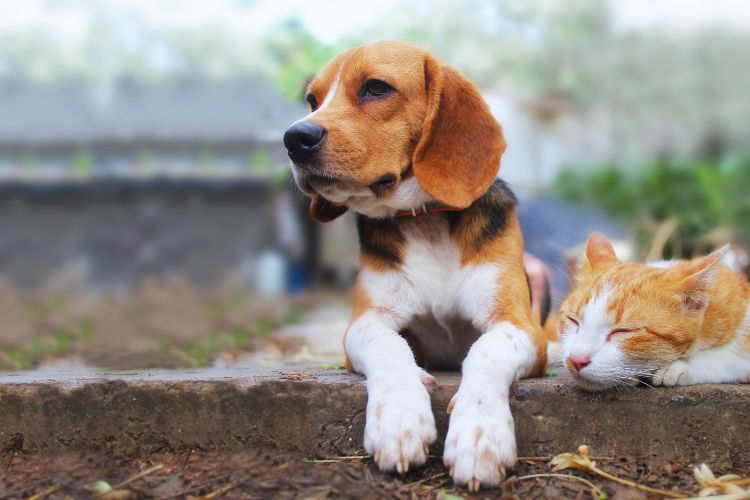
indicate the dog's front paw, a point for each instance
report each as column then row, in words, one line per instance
column 400, row 426
column 480, row 442
column 675, row 373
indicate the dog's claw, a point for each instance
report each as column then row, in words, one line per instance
column 474, row 485
column 426, row 450
column 402, row 467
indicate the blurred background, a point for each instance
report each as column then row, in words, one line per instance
column 146, row 212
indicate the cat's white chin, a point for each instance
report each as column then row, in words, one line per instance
column 592, row 385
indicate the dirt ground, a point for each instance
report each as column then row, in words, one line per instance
column 166, row 322
column 271, row 474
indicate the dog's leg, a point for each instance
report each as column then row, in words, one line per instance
column 399, row 424
column 481, row 441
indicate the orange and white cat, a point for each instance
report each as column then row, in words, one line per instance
column 673, row 322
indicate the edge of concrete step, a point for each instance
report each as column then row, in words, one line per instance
column 321, row 412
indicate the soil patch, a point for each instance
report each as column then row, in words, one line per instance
column 267, row 473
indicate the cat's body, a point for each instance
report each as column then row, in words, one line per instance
column 675, row 323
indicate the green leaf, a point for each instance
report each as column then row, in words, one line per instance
column 449, row 496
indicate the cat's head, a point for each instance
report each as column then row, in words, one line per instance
column 623, row 320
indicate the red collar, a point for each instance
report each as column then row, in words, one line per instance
column 414, row 212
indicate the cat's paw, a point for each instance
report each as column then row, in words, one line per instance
column 480, row 443
column 399, row 427
column 675, row 373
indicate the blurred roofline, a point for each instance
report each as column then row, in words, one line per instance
column 247, row 109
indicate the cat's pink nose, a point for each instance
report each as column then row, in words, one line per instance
column 578, row 363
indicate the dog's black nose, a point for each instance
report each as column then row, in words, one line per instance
column 302, row 140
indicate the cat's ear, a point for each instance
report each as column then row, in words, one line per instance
column 696, row 276
column 599, row 251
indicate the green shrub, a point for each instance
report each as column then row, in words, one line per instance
column 701, row 197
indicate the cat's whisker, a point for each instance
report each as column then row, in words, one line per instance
column 637, row 376
column 647, row 372
column 628, row 387
column 640, row 381
column 619, row 386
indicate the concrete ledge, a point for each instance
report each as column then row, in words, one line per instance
column 322, row 414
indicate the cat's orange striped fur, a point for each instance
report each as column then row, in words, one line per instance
column 675, row 322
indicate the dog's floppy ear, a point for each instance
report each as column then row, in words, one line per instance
column 322, row 210
column 458, row 155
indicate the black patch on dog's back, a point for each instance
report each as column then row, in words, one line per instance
column 381, row 239
column 488, row 216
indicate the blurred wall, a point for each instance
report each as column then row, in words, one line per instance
column 111, row 233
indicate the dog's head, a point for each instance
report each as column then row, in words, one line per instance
column 391, row 129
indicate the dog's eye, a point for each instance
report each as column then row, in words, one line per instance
column 388, row 180
column 312, row 101
column 376, row 88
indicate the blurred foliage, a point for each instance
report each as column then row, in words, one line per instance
column 673, row 88
column 702, row 197
column 295, row 56
column 669, row 86
column 260, row 160
column 82, row 163
column 206, row 159
column 29, row 161
column 568, row 54
column 145, row 160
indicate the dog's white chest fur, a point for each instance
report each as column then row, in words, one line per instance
column 439, row 303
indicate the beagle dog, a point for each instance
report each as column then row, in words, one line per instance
column 410, row 146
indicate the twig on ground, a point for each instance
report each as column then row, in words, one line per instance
column 221, row 491
column 141, row 474
column 583, row 461
column 47, row 492
column 196, row 487
column 734, row 496
column 547, row 459
column 440, row 484
column 334, row 460
column 595, row 490
column 420, row 481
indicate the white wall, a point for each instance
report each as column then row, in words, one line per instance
column 536, row 152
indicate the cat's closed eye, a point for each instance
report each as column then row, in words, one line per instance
column 617, row 331
column 572, row 320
